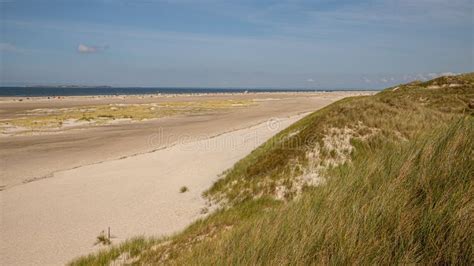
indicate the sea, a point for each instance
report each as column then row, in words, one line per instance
column 89, row 91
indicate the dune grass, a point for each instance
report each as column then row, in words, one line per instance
column 403, row 204
column 168, row 248
column 396, row 187
column 132, row 248
column 317, row 142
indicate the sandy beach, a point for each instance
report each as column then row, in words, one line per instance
column 62, row 186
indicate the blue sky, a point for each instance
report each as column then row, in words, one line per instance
column 212, row 43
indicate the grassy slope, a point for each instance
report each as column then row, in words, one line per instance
column 392, row 197
column 412, row 205
column 392, row 115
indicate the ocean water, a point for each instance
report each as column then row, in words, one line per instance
column 78, row 91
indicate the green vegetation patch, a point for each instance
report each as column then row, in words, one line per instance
column 103, row 114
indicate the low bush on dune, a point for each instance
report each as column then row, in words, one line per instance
column 383, row 179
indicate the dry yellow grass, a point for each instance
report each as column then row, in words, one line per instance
column 102, row 114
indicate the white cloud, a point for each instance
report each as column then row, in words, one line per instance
column 82, row 48
column 432, row 75
column 447, row 74
column 428, row 76
column 8, row 47
column 383, row 80
column 310, row 80
column 88, row 49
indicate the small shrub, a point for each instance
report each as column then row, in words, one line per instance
column 183, row 189
column 103, row 239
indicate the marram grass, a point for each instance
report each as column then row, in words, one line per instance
column 404, row 195
column 404, row 204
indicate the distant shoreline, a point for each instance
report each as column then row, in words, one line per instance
column 131, row 91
